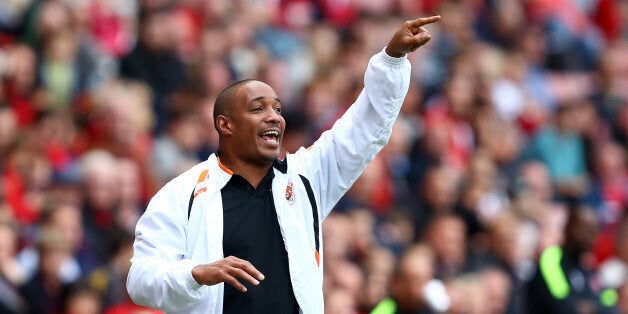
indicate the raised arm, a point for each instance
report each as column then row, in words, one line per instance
column 339, row 156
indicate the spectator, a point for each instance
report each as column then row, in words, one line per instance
column 446, row 235
column 426, row 153
column 501, row 140
column 565, row 281
column 438, row 194
column 102, row 198
column 57, row 68
column 176, row 149
column 466, row 295
column 379, row 267
column 451, row 112
column 413, row 288
column 132, row 194
column 483, row 195
column 513, row 247
column 64, row 218
column 340, row 301
column 19, row 83
column 608, row 194
column 12, row 275
column 80, row 299
column 44, row 290
column 25, row 175
column 121, row 124
column 561, row 149
column 122, row 119
column 154, row 59
column 348, row 277
column 534, row 182
column 497, row 285
column 112, row 24
column 109, row 280
column 69, row 64
column 573, row 42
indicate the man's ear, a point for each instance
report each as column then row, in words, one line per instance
column 223, row 125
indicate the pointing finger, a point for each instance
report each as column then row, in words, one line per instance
column 424, row 21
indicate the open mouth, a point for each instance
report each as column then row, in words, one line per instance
column 270, row 136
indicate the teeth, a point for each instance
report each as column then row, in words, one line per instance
column 273, row 133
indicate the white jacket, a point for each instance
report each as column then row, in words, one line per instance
column 168, row 244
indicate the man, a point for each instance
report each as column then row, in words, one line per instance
column 413, row 289
column 264, row 214
column 565, row 281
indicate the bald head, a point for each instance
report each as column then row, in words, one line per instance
column 247, row 116
column 225, row 99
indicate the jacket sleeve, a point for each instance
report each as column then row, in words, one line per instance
column 338, row 157
column 160, row 277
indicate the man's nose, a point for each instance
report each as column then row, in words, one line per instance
column 273, row 116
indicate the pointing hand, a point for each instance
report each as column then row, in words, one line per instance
column 410, row 36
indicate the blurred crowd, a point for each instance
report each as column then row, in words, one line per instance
column 512, row 143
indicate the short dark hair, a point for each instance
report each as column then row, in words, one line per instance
column 224, row 101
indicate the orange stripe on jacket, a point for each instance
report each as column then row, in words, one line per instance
column 224, row 168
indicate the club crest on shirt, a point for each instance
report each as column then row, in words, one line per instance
column 290, row 193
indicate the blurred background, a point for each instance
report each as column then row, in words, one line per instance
column 510, row 149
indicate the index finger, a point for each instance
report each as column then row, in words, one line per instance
column 425, row 20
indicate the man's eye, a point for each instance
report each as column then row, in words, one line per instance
column 278, row 110
column 256, row 109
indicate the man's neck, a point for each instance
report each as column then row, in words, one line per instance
column 253, row 173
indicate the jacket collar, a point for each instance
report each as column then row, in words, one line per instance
column 218, row 175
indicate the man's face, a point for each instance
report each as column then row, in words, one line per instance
column 416, row 270
column 257, row 122
column 583, row 231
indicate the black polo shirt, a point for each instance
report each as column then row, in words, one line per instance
column 251, row 232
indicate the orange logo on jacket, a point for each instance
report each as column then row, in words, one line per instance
column 290, row 193
column 201, row 190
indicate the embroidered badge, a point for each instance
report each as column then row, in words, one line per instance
column 290, row 193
